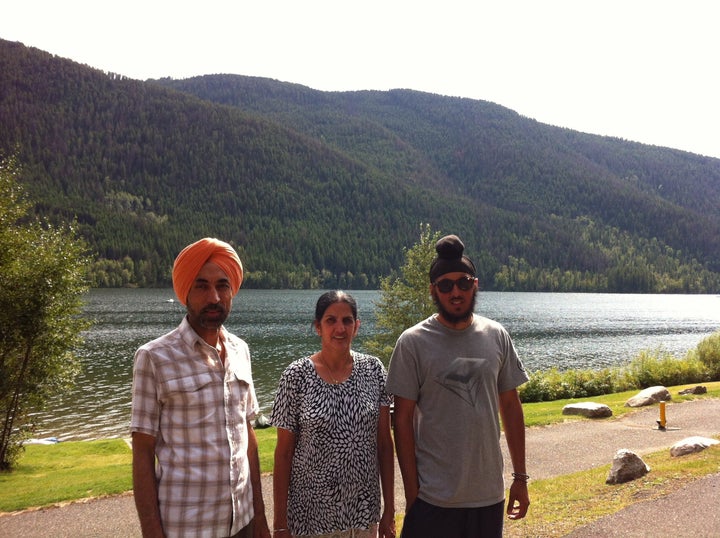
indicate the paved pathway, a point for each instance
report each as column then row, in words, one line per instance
column 552, row 450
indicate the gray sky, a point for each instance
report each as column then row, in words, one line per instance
column 642, row 70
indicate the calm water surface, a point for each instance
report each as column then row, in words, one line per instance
column 549, row 330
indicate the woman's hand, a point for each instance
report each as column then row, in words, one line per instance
column 387, row 525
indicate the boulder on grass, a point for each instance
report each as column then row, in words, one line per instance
column 587, row 409
column 692, row 444
column 695, row 390
column 649, row 396
column 626, row 466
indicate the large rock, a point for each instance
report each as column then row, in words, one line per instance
column 588, row 409
column 649, row 396
column 626, row 466
column 693, row 444
column 699, row 389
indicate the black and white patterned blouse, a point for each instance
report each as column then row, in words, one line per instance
column 334, row 482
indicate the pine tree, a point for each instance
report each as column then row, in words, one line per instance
column 405, row 297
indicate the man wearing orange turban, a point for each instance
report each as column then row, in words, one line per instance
column 194, row 257
column 192, row 406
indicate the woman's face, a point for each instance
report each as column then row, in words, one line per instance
column 337, row 327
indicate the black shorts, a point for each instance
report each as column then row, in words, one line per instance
column 425, row 520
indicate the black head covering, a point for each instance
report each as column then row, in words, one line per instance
column 450, row 258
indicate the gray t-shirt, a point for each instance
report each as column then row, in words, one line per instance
column 455, row 377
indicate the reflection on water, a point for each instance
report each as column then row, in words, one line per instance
column 549, row 330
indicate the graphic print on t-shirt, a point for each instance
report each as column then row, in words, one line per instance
column 463, row 377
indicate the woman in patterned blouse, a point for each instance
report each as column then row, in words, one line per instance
column 334, row 450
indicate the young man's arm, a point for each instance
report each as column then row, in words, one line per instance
column 513, row 420
column 405, row 447
column 145, row 485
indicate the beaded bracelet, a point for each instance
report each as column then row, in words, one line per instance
column 521, row 476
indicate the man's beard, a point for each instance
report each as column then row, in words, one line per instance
column 214, row 321
column 451, row 318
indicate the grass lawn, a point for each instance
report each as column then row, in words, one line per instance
column 50, row 474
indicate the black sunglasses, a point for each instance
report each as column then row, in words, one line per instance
column 446, row 285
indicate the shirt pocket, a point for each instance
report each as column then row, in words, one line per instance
column 191, row 399
column 187, row 384
column 239, row 395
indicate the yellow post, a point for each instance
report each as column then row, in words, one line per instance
column 661, row 422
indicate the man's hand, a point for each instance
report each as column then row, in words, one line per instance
column 518, row 500
column 260, row 526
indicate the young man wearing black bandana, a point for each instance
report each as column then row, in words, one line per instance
column 451, row 375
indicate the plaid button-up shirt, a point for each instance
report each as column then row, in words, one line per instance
column 198, row 411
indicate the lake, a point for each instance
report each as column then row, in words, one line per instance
column 567, row 331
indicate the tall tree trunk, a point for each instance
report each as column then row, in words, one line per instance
column 6, row 438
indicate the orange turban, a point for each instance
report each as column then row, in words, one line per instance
column 195, row 256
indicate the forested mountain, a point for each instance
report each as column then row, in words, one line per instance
column 327, row 188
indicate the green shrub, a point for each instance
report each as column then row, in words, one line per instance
column 538, row 387
column 600, row 382
column 708, row 353
column 658, row 367
column 649, row 368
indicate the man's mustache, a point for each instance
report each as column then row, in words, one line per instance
column 213, row 309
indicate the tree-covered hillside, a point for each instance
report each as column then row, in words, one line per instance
column 326, row 189
column 500, row 158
